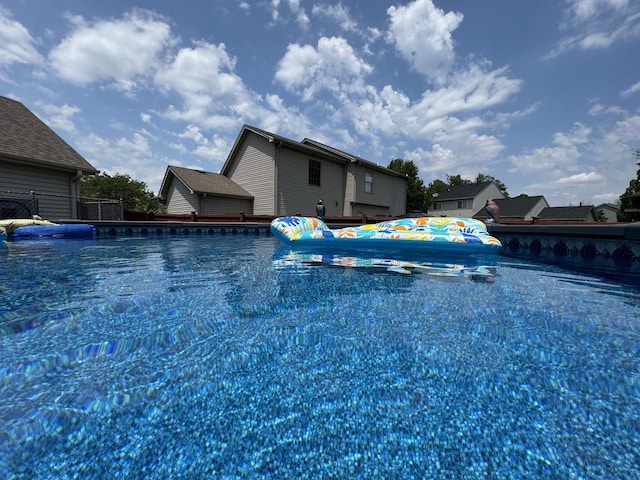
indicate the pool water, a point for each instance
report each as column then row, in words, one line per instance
column 227, row 357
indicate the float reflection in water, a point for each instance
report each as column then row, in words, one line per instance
column 481, row 268
column 443, row 246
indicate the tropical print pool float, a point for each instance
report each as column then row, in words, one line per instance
column 452, row 234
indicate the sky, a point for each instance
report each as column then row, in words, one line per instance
column 542, row 95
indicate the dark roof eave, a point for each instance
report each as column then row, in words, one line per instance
column 44, row 163
column 225, row 195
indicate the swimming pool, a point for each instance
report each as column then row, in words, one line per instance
column 225, row 357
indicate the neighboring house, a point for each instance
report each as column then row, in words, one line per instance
column 286, row 177
column 186, row 190
column 582, row 213
column 464, row 200
column 38, row 165
column 522, row 207
column 609, row 210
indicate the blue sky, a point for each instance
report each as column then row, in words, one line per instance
column 542, row 95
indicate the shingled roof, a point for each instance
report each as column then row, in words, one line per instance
column 457, row 192
column 27, row 139
column 200, row 181
column 515, row 207
column 582, row 213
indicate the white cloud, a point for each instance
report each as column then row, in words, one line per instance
column 16, row 44
column 112, row 50
column 422, row 34
column 551, row 160
column 299, row 13
column 60, row 117
column 204, row 77
column 579, row 179
column 597, row 24
column 469, row 90
column 584, row 10
column 631, row 90
column 338, row 13
column 332, row 66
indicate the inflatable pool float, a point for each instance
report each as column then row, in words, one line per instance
column 32, row 229
column 424, row 234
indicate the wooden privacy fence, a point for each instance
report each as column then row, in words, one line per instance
column 236, row 218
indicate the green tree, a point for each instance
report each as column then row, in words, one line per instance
column 434, row 188
column 600, row 216
column 457, row 180
column 134, row 194
column 626, row 200
column 481, row 178
column 417, row 197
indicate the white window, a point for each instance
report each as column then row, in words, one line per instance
column 468, row 203
column 368, row 182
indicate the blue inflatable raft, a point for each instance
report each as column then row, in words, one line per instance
column 33, row 229
column 63, row 230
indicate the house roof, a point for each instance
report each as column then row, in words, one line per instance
column 27, row 139
column 350, row 157
column 457, row 192
column 608, row 206
column 199, row 181
column 515, row 207
column 581, row 212
column 307, row 145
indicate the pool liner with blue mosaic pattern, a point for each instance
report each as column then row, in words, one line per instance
column 192, row 358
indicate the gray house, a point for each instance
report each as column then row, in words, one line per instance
column 39, row 172
column 582, row 213
column 522, row 207
column 286, row 177
column 609, row 210
column 186, row 190
column 464, row 200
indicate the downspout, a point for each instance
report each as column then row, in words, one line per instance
column 75, row 193
column 276, row 146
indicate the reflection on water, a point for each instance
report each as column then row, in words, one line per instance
column 232, row 358
column 478, row 268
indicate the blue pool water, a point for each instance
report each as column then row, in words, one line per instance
column 227, row 357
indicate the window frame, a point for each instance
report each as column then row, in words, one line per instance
column 315, row 172
column 368, row 182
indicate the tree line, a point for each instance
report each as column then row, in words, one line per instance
column 420, row 197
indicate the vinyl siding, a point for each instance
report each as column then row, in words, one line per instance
column 253, row 170
column 295, row 195
column 388, row 195
column 180, row 199
column 449, row 208
column 215, row 205
column 54, row 191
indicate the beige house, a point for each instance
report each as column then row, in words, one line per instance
column 609, row 211
column 39, row 172
column 278, row 176
column 464, row 200
column 186, row 190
